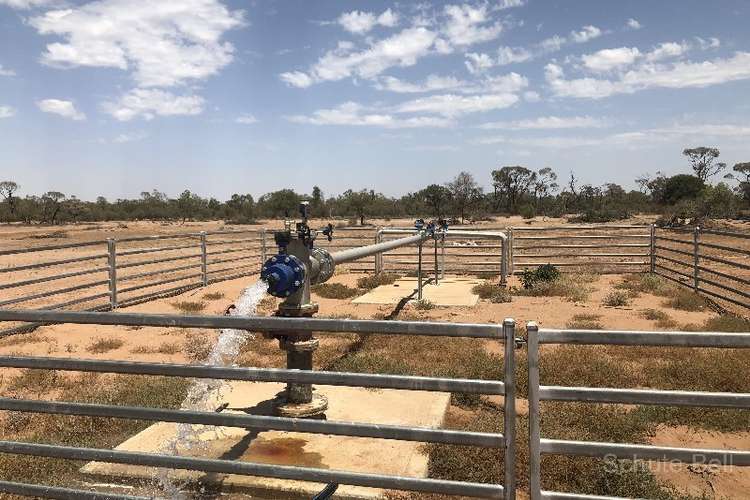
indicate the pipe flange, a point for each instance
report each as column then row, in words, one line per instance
column 314, row 408
column 325, row 266
column 289, row 344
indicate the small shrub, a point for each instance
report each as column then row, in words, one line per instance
column 686, row 300
column 424, row 305
column 727, row 323
column 527, row 211
column 187, row 306
column 585, row 322
column 334, row 291
column 376, row 280
column 492, row 292
column 616, row 298
column 662, row 319
column 165, row 348
column 575, row 287
column 543, row 274
column 103, row 345
column 646, row 283
column 197, row 347
column 213, row 295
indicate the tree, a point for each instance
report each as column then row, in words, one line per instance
column 240, row 207
column 7, row 188
column 512, row 182
column 282, row 203
column 678, row 187
column 187, row 205
column 743, row 169
column 317, row 204
column 51, row 205
column 465, row 192
column 436, row 197
column 702, row 162
column 544, row 184
column 358, row 202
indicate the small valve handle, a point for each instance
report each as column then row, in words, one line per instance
column 328, row 231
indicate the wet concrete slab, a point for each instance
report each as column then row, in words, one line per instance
column 451, row 291
column 380, row 406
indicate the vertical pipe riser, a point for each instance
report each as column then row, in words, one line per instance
column 509, row 410
column 535, row 456
column 112, row 265
column 204, row 260
column 419, row 273
column 653, row 248
column 696, row 257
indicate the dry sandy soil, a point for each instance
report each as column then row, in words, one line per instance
column 182, row 346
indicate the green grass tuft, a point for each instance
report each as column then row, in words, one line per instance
column 376, row 280
column 103, row 345
column 685, row 300
column 334, row 291
column 616, row 298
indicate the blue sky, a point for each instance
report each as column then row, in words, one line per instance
column 115, row 97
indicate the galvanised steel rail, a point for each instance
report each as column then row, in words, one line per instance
column 565, row 247
column 504, row 333
column 145, row 275
column 537, row 393
column 733, row 288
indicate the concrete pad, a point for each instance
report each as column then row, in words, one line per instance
column 379, row 406
column 448, row 292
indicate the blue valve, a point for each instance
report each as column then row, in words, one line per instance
column 285, row 274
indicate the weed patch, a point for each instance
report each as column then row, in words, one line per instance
column 376, row 280
column 197, row 346
column 492, row 292
column 334, row 291
column 424, row 305
column 585, row 322
column 103, row 345
column 213, row 295
column 188, row 307
column 686, row 300
column 574, row 287
column 727, row 323
column 616, row 298
column 646, row 283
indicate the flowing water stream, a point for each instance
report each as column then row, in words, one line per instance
column 206, row 394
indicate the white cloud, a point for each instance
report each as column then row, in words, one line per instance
column 296, row 79
column 667, row 50
column 549, row 122
column 431, row 84
column 7, row 112
column 25, row 4
column 681, row 74
column 711, row 43
column 63, row 108
column 162, row 43
column 467, row 25
column 246, row 119
column 6, row 72
column 531, row 96
column 477, row 63
column 586, row 34
column 633, row 24
column 148, row 103
column 129, row 137
column 353, row 114
column 609, row 59
column 402, row 49
column 512, row 82
column 510, row 55
column 358, row 22
column 452, row 105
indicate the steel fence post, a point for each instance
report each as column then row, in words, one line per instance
column 535, row 456
column 112, row 265
column 504, row 262
column 378, row 257
column 696, row 256
column 437, row 268
column 509, row 408
column 419, row 272
column 510, row 250
column 204, row 260
column 263, row 250
column 442, row 257
column 653, row 248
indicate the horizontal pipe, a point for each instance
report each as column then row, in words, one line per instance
column 645, row 452
column 233, row 259
column 539, row 256
column 227, row 242
column 131, row 277
column 168, row 292
column 603, row 245
column 158, row 283
column 730, row 234
column 645, row 397
column 51, row 247
column 53, row 263
column 230, row 231
column 334, row 428
column 232, row 250
column 575, row 227
column 254, row 469
column 583, row 263
column 725, row 261
column 50, row 293
column 724, row 275
column 254, row 265
column 78, row 301
column 584, row 237
column 644, row 338
column 724, row 297
column 53, row 278
column 157, row 261
column 725, row 287
column 154, row 250
column 476, row 234
column 722, row 247
column 674, row 250
column 673, row 240
column 674, row 261
column 369, row 250
column 260, row 324
column 669, row 269
column 233, row 276
column 59, row 493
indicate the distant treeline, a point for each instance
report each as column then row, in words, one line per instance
column 515, row 190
